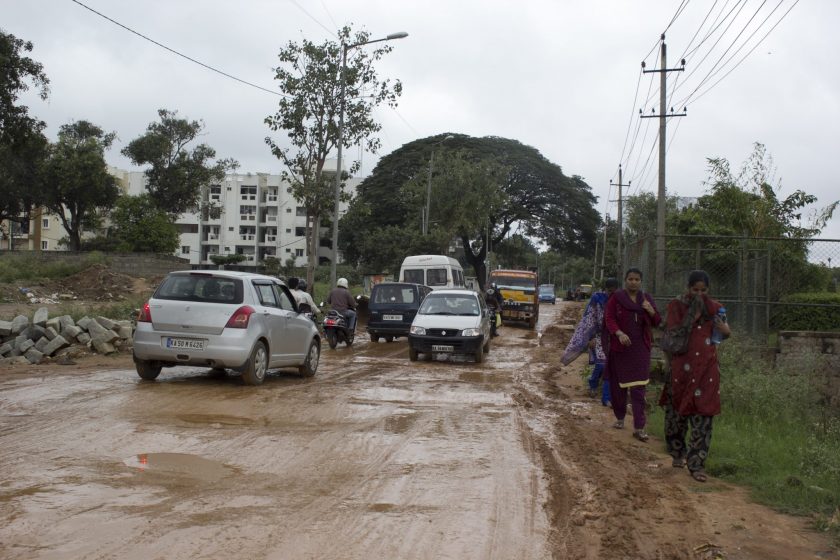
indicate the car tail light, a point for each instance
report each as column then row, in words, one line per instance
column 240, row 318
column 145, row 315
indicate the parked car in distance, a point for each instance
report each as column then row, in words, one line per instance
column 546, row 293
column 224, row 320
column 450, row 322
column 393, row 306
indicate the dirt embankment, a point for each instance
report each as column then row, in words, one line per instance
column 614, row 497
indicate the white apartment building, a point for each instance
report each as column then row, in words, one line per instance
column 259, row 218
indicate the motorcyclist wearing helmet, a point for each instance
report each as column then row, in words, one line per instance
column 302, row 296
column 341, row 300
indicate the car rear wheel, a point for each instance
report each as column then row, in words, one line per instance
column 254, row 373
column 412, row 354
column 374, row 338
column 310, row 365
column 147, row 370
column 389, row 339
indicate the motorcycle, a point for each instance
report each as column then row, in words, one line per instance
column 336, row 329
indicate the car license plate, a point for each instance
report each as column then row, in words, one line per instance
column 185, row 343
column 392, row 317
column 442, row 348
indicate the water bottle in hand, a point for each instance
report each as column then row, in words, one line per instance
column 717, row 336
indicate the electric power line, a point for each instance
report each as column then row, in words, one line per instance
column 748, row 53
column 161, row 45
column 313, row 18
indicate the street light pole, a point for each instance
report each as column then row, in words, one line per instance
column 340, row 141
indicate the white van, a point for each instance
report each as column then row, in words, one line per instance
column 435, row 271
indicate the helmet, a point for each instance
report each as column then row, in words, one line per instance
column 302, row 285
column 493, row 285
column 342, row 282
column 292, row 283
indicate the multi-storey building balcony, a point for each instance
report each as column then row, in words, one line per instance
column 270, row 216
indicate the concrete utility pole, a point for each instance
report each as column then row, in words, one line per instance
column 619, row 257
column 659, row 286
column 604, row 249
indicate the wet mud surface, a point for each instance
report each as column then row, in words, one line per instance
column 374, row 457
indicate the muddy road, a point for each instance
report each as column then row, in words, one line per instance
column 375, row 457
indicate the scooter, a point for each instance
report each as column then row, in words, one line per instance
column 336, row 329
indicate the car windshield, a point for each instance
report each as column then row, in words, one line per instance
column 450, row 304
column 394, row 294
column 546, row 290
column 200, row 287
column 514, row 283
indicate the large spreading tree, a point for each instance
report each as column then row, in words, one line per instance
column 308, row 113
column 482, row 191
column 75, row 182
column 23, row 145
column 177, row 173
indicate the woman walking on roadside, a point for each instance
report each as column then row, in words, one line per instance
column 587, row 338
column 692, row 390
column 630, row 316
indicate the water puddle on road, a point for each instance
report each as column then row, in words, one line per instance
column 399, row 423
column 180, row 465
column 483, row 377
column 216, row 419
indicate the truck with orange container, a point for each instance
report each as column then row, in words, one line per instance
column 521, row 298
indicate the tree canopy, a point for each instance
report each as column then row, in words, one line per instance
column 23, row 145
column 482, row 191
column 309, row 76
column 75, row 182
column 140, row 226
column 176, row 174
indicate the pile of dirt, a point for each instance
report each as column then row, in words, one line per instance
column 97, row 283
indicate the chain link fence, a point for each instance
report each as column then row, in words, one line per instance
column 750, row 276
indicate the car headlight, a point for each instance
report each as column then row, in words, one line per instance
column 420, row 331
column 471, row 332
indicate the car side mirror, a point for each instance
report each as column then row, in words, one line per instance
column 304, row 308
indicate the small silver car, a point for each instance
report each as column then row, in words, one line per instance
column 450, row 322
column 224, row 320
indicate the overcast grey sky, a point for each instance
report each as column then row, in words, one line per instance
column 558, row 75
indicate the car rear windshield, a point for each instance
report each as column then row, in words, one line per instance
column 450, row 304
column 394, row 294
column 200, row 287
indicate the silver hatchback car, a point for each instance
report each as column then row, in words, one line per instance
column 224, row 320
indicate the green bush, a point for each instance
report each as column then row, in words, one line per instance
column 808, row 317
column 776, row 434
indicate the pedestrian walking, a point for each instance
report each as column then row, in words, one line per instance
column 587, row 338
column 692, row 389
column 630, row 317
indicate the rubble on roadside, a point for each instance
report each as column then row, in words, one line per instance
column 25, row 341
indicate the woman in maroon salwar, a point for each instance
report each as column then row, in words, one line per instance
column 629, row 318
column 692, row 390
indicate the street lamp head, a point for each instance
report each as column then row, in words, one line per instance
column 397, row 35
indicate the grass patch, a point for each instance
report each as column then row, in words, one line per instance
column 29, row 266
column 776, row 434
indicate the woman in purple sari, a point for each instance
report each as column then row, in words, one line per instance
column 630, row 316
column 587, row 338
